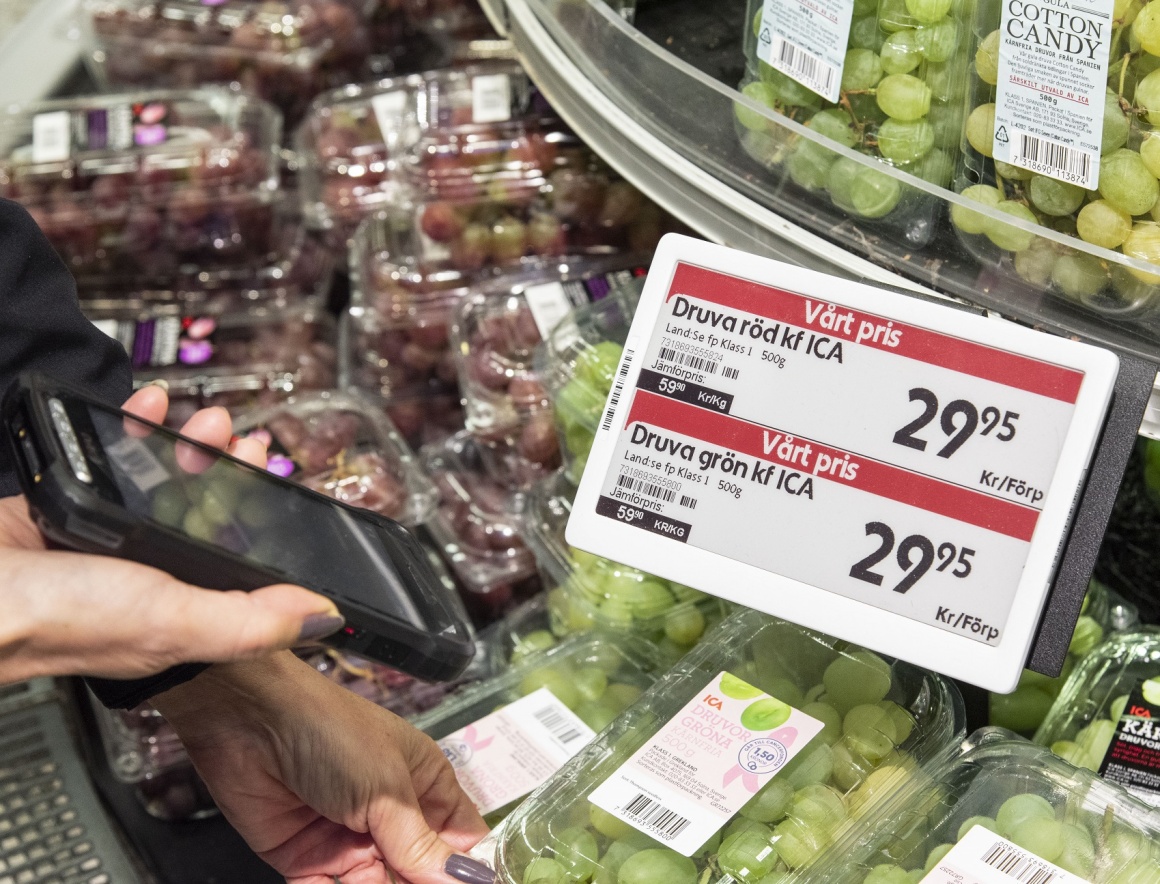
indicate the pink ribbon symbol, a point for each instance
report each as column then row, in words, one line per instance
column 472, row 741
column 750, row 781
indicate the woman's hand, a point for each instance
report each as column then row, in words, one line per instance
column 68, row 613
column 322, row 783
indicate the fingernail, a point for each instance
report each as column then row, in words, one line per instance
column 318, row 626
column 159, row 382
column 468, row 870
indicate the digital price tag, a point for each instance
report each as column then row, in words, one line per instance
column 885, row 470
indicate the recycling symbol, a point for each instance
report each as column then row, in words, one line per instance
column 1001, row 135
column 765, row 37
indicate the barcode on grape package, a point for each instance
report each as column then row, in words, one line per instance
column 803, row 66
column 491, row 98
column 690, row 502
column 1017, row 865
column 667, row 824
column 617, row 389
column 51, row 137
column 557, row 725
column 640, row 486
column 1068, row 163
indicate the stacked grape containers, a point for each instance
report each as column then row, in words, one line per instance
column 1004, row 810
column 286, row 51
column 884, row 81
column 874, row 724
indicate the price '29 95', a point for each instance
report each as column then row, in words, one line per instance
column 950, row 556
column 959, row 421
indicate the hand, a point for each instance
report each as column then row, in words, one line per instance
column 68, row 613
column 320, row 782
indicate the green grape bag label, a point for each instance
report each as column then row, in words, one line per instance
column 806, row 41
column 1049, row 100
column 982, row 857
column 699, row 770
column 1133, row 757
column 895, row 473
column 509, row 753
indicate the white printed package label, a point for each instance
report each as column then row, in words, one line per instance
column 508, row 754
column 791, row 446
column 982, row 857
column 1132, row 758
column 1049, row 100
column 691, row 778
column 806, row 41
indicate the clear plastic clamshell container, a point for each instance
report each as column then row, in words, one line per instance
column 1023, row 710
column 589, row 591
column 140, row 185
column 596, row 676
column 285, row 51
column 1084, row 720
column 521, row 632
column 900, row 100
column 883, row 721
column 1023, row 806
column 494, row 337
column 576, row 363
column 344, row 446
column 479, row 531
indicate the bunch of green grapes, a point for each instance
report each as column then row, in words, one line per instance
column 579, row 403
column 900, row 101
column 859, row 757
column 1152, row 467
column 1123, row 211
column 1093, row 846
column 1024, row 709
column 1092, row 741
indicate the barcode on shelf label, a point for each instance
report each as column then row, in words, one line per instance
column 688, row 502
column 664, row 823
column 51, row 137
column 491, row 98
column 549, row 304
column 617, row 388
column 805, row 67
column 697, row 363
column 987, row 858
column 1054, row 159
column 390, row 111
column 136, row 461
column 651, row 489
column 507, row 754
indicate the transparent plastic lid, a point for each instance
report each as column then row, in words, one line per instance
column 1022, row 805
column 908, row 718
column 591, row 591
column 1084, row 719
column 344, row 446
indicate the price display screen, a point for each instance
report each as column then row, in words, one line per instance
column 890, row 471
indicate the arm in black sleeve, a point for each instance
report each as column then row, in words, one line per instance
column 42, row 329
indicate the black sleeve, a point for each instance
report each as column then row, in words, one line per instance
column 42, row 328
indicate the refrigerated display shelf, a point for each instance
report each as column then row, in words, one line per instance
column 656, row 100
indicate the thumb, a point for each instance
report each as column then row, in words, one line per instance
column 412, row 849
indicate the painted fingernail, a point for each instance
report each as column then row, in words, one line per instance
column 468, row 870
column 318, row 626
column 159, row 382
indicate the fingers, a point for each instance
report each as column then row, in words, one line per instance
column 151, row 403
column 210, row 426
column 252, row 451
column 417, row 854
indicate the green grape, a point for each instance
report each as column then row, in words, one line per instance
column 894, row 16
column 937, row 167
column 797, row 843
column 980, row 129
column 985, row 821
column 743, row 824
column 542, row 870
column 684, row 626
column 987, row 58
column 1018, row 809
column 1120, row 703
column 1012, row 173
column 887, row 874
column 809, row 164
column 839, row 180
column 848, row 770
column 622, row 695
column 830, row 719
column 836, row 125
column 928, row 11
column 1041, row 835
column 814, row 764
column 599, row 714
column 946, row 83
column 579, row 405
column 1116, row 124
column 771, row 803
column 1124, row 12
column 856, row 677
column 576, row 851
column 1102, row 224
column 1097, row 736
column 869, row 731
column 1033, row 265
column 1144, row 243
column 537, row 640
column 1024, row 708
column 738, row 689
column 905, row 141
column 935, row 856
column 865, row 34
column 786, row 89
column 748, row 855
column 1005, row 236
column 818, row 807
column 873, row 193
column 757, row 19
column 657, row 865
column 785, row 690
column 862, row 69
column 1054, row 197
column 903, row 97
column 1126, row 183
column 901, row 53
column 1148, row 89
column 765, row 714
column 1150, row 152
column 608, row 825
column 1079, row 853
column 947, row 128
column 972, row 222
column 746, row 116
column 939, row 40
column 1146, row 29
column 557, row 680
column 1088, row 633
column 900, row 719
column 596, row 366
column 614, row 857
column 590, row 682
column 865, row 7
